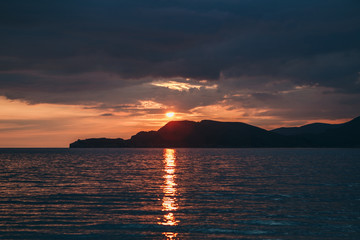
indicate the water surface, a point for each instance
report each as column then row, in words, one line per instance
column 179, row 194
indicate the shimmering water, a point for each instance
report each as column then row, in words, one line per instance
column 180, row 194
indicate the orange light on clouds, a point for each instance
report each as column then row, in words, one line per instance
column 170, row 114
column 57, row 125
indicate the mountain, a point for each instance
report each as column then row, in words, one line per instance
column 208, row 134
column 99, row 143
column 346, row 135
column 212, row 134
column 326, row 135
column 313, row 128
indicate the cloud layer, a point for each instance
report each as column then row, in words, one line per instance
column 286, row 59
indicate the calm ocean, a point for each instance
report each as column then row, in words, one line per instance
column 180, row 194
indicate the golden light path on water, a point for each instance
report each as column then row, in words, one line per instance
column 169, row 204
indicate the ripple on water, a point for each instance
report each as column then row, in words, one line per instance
column 179, row 194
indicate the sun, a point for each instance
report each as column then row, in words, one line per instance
column 170, row 114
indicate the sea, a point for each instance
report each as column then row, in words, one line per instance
column 180, row 193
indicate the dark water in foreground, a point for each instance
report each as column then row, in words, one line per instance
column 180, row 194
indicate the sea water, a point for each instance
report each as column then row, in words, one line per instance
column 180, row 194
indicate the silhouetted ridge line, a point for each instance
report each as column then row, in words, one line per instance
column 313, row 128
column 211, row 134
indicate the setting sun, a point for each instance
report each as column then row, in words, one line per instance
column 170, row 114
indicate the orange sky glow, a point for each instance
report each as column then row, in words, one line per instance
column 56, row 125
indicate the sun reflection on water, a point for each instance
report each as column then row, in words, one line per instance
column 169, row 201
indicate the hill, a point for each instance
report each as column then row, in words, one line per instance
column 208, row 134
column 326, row 135
column 212, row 134
column 313, row 128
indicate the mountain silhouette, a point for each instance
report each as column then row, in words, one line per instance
column 99, row 143
column 211, row 134
column 346, row 135
column 208, row 134
column 313, row 128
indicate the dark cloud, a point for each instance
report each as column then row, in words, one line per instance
column 107, row 115
column 94, row 52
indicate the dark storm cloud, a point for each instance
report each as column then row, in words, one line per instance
column 74, row 51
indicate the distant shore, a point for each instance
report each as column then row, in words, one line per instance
column 214, row 134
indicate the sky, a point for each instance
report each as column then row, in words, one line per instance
column 75, row 69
